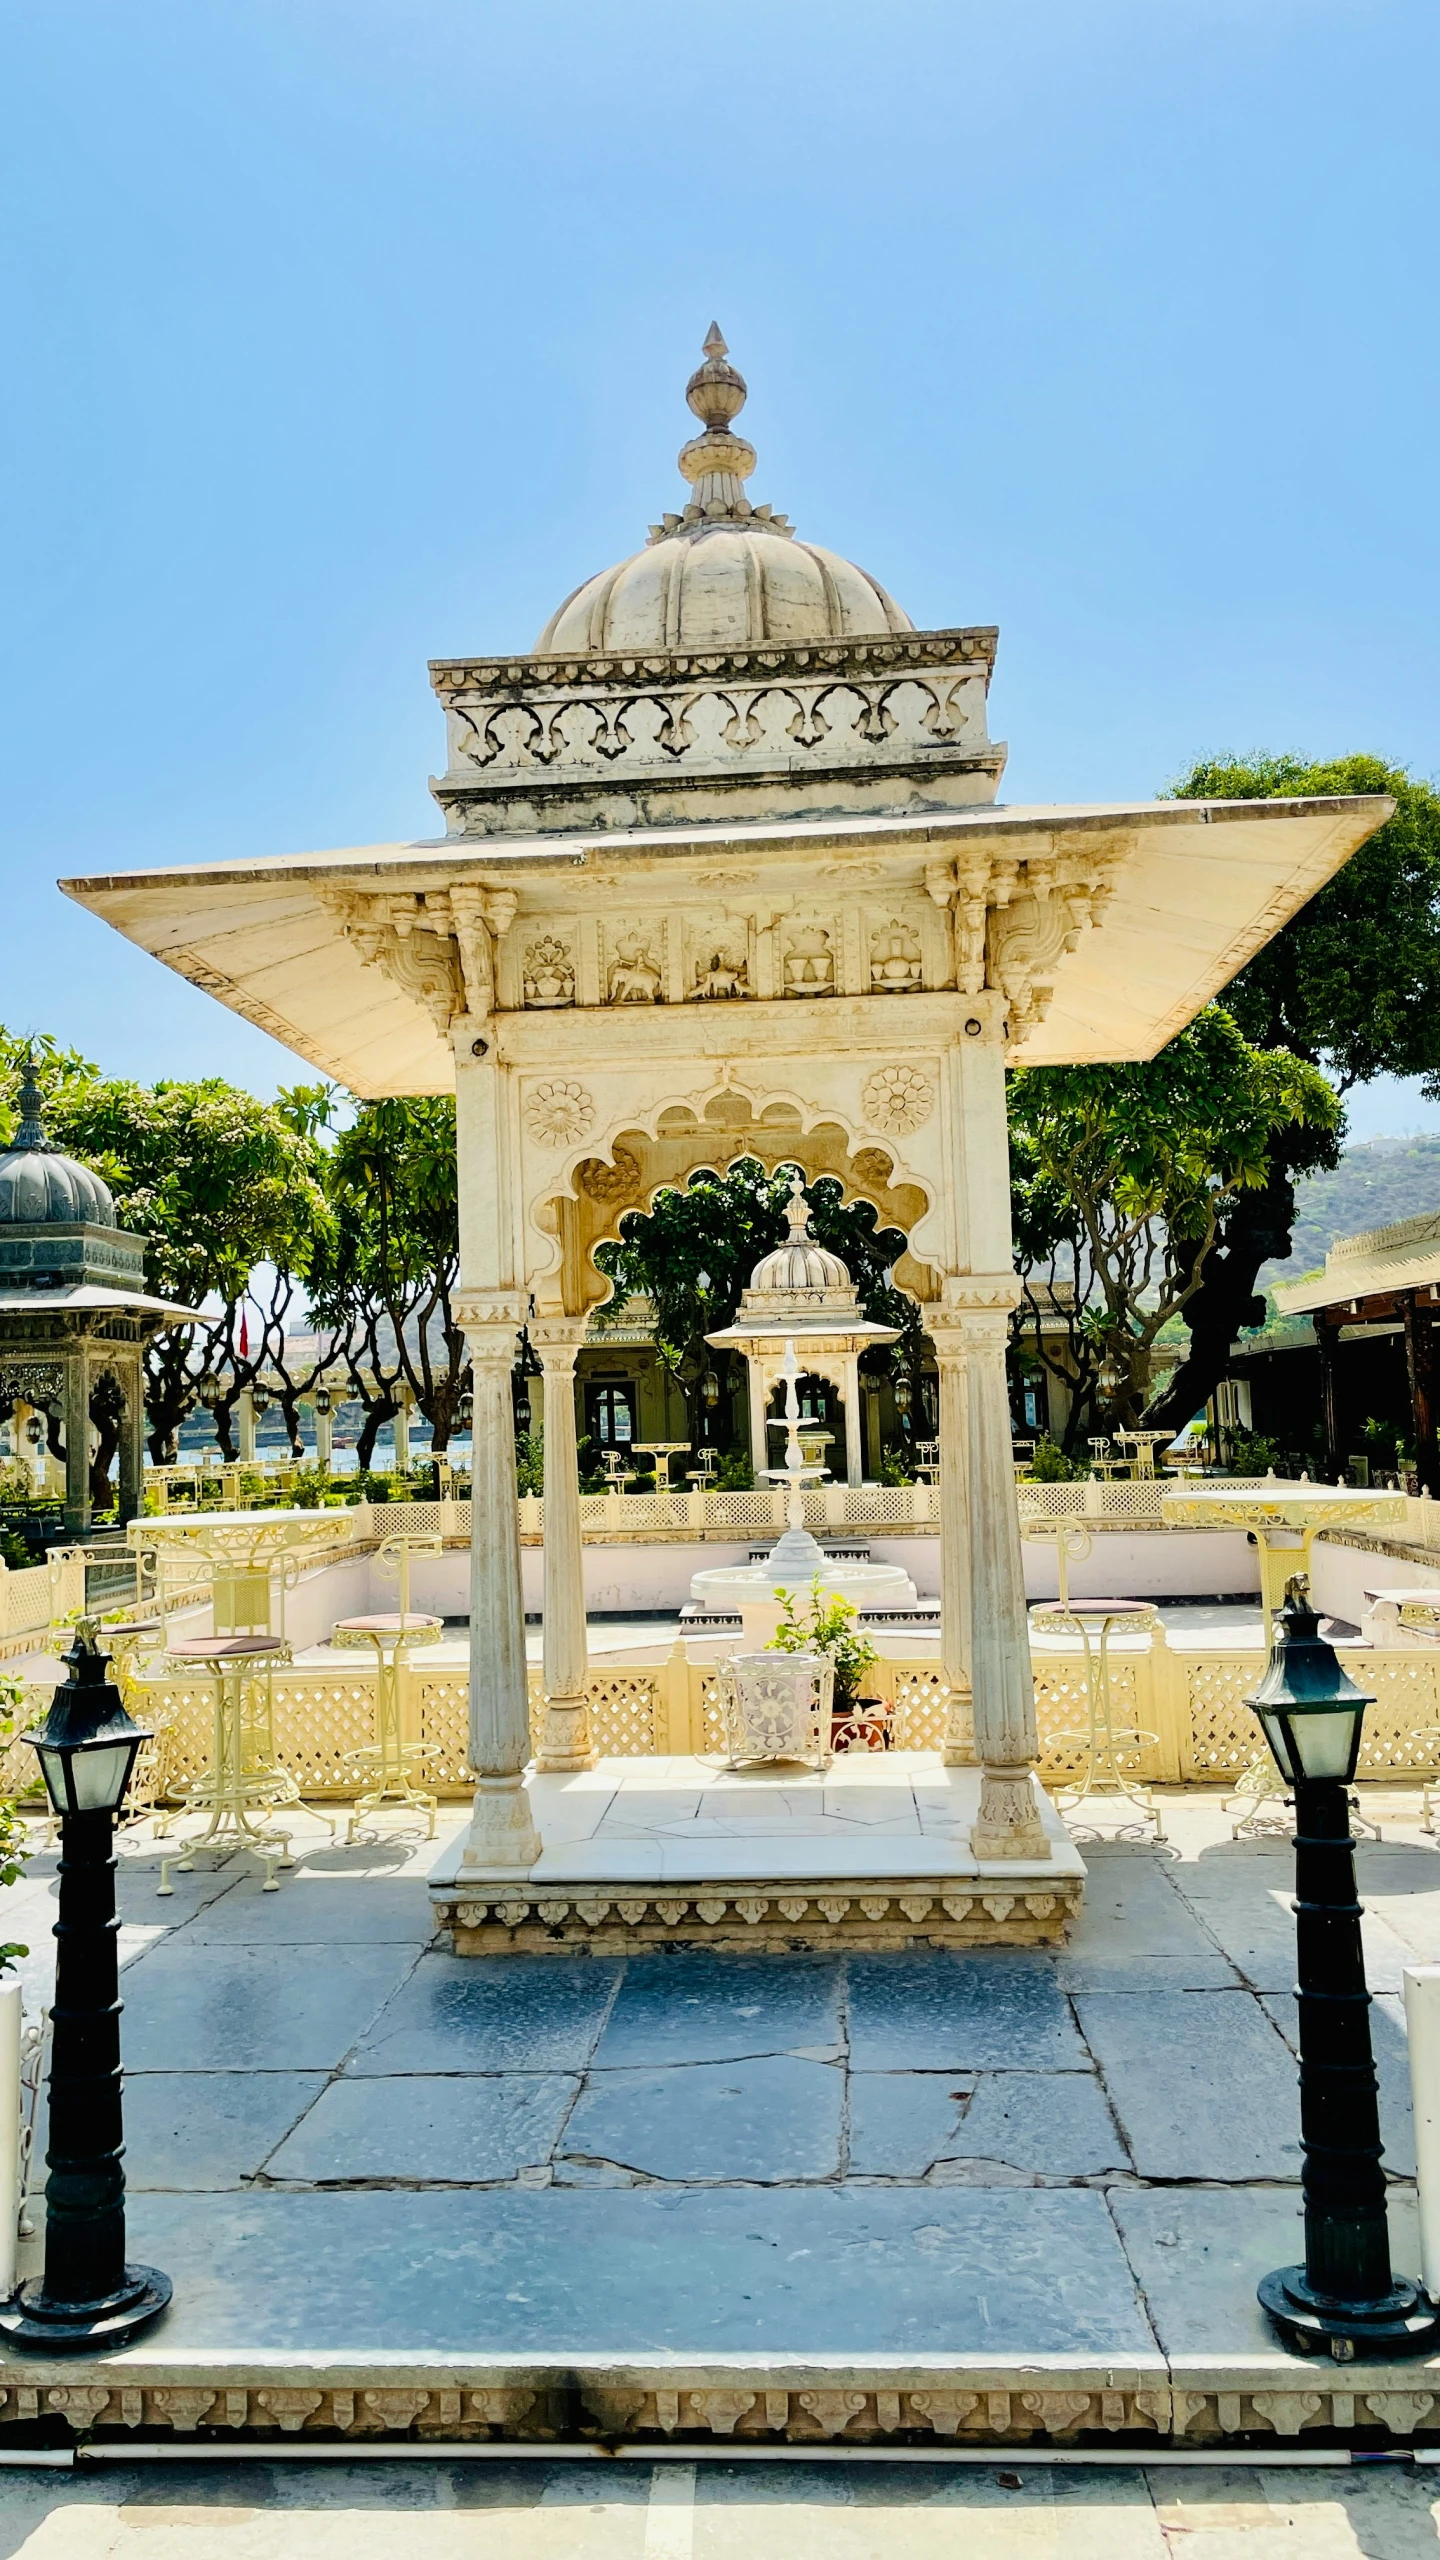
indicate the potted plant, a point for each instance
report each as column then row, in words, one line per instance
column 831, row 1626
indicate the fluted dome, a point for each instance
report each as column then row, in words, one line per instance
column 799, row 1263
column 723, row 574
column 41, row 1187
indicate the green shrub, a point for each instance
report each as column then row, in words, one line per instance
column 1051, row 1466
column 831, row 1627
column 1251, row 1454
column 734, row 1474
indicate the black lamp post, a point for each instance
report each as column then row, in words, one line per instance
column 1344, row 2297
column 88, row 2296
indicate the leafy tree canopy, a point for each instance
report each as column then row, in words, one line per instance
column 386, row 1278
column 692, row 1253
column 1353, row 981
column 213, row 1179
column 1120, row 1180
column 1350, row 984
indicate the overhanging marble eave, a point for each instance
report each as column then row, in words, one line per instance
column 1199, row 887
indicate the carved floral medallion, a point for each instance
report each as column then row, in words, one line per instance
column 898, row 1099
column 558, row 1113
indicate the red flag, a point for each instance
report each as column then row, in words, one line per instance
column 244, row 1335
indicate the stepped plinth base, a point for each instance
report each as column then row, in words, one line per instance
column 873, row 1852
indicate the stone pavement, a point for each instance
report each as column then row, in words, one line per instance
column 951, row 2194
column 540, row 2510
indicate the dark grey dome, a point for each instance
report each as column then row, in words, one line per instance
column 39, row 1186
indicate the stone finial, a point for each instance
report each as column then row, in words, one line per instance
column 31, row 1133
column 797, row 1211
column 715, row 391
column 717, row 464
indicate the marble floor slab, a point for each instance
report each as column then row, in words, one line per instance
column 687, row 1821
column 341, row 2136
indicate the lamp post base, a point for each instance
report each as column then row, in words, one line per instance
column 69, row 2328
column 1398, row 2323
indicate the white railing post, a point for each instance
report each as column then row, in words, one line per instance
column 10, row 2196
column 1422, row 2025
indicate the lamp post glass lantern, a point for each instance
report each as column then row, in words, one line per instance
column 1345, row 2297
column 88, row 2296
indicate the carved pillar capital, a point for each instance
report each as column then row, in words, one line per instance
column 559, row 1341
column 491, row 1321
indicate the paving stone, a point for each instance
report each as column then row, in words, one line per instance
column 318, row 1908
column 693, row 2005
column 1198, row 2253
column 768, row 2117
column 209, row 2129
column 997, row 2009
column 508, row 2013
column 826, row 2271
column 1136, row 1926
column 419, row 2130
column 1203, row 2083
column 212, row 2008
column 1052, row 2124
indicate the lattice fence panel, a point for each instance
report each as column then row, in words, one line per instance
column 1222, row 1737
column 445, row 1727
column 1401, row 1732
column 712, row 1714
column 624, row 1713
column 757, row 1510
column 317, row 1721
column 922, row 1709
column 1062, row 1709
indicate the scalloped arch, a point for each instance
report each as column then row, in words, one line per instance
column 712, row 1131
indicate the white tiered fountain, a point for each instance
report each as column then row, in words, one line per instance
column 796, row 1560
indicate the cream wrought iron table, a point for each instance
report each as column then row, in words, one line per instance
column 245, row 1554
column 1299, row 1513
column 662, row 1451
column 1278, row 1507
column 391, row 1761
column 244, row 1776
column 1144, row 1444
column 1105, row 1747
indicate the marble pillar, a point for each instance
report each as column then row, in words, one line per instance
column 245, row 1427
column 502, row 1837
column 958, row 1749
column 854, row 1423
column 75, row 1424
column 1006, row 1740
column 131, row 1455
column 565, row 1739
column 759, row 1435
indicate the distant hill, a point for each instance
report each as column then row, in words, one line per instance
column 1374, row 1183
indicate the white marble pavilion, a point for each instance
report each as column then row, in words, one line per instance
column 724, row 873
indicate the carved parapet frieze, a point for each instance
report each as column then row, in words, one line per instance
column 857, row 702
column 883, row 1913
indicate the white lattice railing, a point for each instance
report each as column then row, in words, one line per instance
column 34, row 1597
column 1193, row 1702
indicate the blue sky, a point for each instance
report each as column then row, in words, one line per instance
column 345, row 333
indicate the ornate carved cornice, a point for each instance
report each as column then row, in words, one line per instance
column 885, row 654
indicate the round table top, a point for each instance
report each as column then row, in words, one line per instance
column 1276, row 1503
column 1093, row 1608
column 134, row 1627
column 416, row 1628
column 223, row 1648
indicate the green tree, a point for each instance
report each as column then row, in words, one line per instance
column 1121, row 1178
column 385, row 1283
column 1351, row 985
column 229, row 1197
column 691, row 1254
